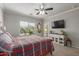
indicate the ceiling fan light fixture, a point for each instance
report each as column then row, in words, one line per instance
column 42, row 12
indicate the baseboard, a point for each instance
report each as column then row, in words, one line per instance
column 75, row 47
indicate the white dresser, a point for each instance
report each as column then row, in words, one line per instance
column 57, row 38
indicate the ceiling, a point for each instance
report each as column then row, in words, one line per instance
column 29, row 8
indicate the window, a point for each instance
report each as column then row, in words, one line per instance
column 27, row 28
column 23, row 24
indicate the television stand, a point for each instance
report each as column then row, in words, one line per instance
column 57, row 38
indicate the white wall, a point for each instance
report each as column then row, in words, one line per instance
column 1, row 17
column 72, row 24
column 11, row 21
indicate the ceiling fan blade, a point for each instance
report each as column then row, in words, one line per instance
column 37, row 13
column 37, row 9
column 49, row 9
column 46, row 13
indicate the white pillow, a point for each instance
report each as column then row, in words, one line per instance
column 9, row 34
column 5, row 38
column 6, row 42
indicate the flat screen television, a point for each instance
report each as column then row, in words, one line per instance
column 58, row 24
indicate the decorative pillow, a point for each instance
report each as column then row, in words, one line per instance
column 6, row 42
column 9, row 35
column 1, row 32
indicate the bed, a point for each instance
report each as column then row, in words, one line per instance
column 28, row 46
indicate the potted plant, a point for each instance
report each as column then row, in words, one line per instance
column 63, row 32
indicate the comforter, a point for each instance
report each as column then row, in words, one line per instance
column 31, row 46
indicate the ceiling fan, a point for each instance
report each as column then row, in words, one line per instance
column 42, row 10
